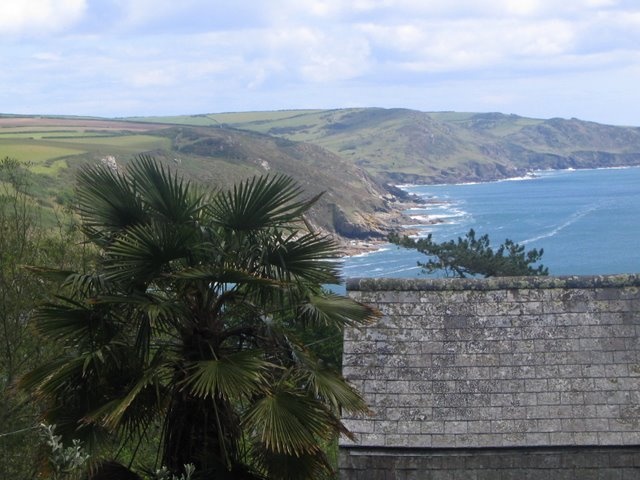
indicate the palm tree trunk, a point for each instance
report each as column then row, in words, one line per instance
column 201, row 431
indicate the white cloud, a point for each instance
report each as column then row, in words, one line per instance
column 388, row 10
column 141, row 73
column 264, row 57
column 139, row 12
column 470, row 44
column 191, row 56
column 37, row 17
column 152, row 78
column 522, row 7
column 47, row 56
column 319, row 56
column 493, row 101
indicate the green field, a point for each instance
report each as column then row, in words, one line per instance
column 50, row 168
column 190, row 120
column 45, row 134
column 134, row 143
column 50, row 146
column 34, row 152
column 229, row 118
column 46, row 151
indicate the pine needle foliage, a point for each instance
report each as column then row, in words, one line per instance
column 472, row 256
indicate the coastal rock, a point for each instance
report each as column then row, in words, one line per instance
column 357, row 225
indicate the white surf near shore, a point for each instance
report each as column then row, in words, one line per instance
column 586, row 220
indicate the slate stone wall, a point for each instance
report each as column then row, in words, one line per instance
column 495, row 364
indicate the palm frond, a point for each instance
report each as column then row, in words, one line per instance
column 150, row 382
column 331, row 309
column 308, row 257
column 233, row 377
column 82, row 284
column 107, row 200
column 72, row 322
column 167, row 195
column 222, row 275
column 289, row 422
column 329, row 386
column 50, row 379
column 258, row 203
column 154, row 308
column 85, row 284
column 147, row 250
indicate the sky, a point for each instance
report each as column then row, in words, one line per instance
column 116, row 58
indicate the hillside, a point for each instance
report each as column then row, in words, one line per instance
column 354, row 205
column 352, row 202
column 353, row 155
column 400, row 145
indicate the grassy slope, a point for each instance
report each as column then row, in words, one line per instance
column 325, row 150
column 218, row 157
column 407, row 145
column 394, row 144
column 222, row 156
column 379, row 140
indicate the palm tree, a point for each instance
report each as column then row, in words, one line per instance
column 191, row 320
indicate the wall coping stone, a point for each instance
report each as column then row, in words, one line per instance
column 355, row 449
column 493, row 283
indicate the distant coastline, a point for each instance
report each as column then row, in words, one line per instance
column 409, row 224
column 584, row 219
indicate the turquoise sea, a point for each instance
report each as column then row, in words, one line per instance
column 587, row 221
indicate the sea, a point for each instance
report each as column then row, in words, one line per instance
column 586, row 221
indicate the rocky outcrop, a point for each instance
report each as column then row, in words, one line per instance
column 357, row 225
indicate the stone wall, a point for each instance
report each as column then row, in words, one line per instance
column 493, row 365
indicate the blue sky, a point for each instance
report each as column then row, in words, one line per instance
column 539, row 58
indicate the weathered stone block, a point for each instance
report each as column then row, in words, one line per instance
column 459, row 364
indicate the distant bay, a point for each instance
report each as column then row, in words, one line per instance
column 587, row 221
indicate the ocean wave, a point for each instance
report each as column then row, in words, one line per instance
column 370, row 252
column 430, row 207
column 440, row 210
column 391, row 272
column 567, row 223
column 427, row 218
column 382, row 258
column 519, row 179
